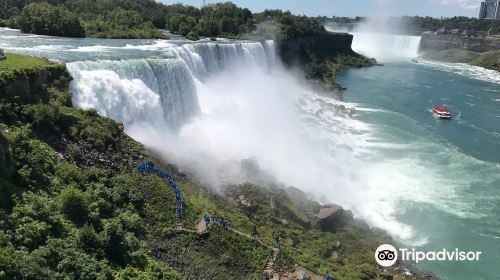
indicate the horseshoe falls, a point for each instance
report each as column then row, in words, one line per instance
column 374, row 39
column 214, row 107
column 386, row 47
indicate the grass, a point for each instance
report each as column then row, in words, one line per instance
column 17, row 65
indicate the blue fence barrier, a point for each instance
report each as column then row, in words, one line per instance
column 149, row 166
column 211, row 219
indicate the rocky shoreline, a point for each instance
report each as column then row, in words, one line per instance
column 437, row 42
column 477, row 51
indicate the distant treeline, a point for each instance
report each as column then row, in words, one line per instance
column 80, row 18
column 142, row 19
column 418, row 24
column 228, row 20
column 221, row 19
column 124, row 18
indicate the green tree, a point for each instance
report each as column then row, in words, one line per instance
column 125, row 18
column 8, row 9
column 74, row 204
column 180, row 24
column 46, row 19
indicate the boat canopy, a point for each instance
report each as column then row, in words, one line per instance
column 441, row 110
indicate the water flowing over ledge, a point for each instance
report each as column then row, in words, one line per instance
column 160, row 91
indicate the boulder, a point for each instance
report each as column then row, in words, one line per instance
column 2, row 55
column 332, row 217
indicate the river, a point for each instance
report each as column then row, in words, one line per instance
column 439, row 180
column 209, row 107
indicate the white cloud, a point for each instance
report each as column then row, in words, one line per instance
column 464, row 4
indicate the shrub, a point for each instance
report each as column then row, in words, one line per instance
column 192, row 36
column 32, row 233
column 42, row 116
column 74, row 204
column 115, row 248
column 89, row 240
column 152, row 270
column 35, row 160
column 97, row 136
column 49, row 118
column 68, row 173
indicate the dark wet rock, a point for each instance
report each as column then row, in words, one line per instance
column 332, row 217
column 2, row 55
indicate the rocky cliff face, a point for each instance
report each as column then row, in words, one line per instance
column 431, row 42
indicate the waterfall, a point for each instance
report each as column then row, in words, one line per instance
column 377, row 38
column 386, row 46
column 163, row 91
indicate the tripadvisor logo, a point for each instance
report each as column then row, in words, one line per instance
column 387, row 255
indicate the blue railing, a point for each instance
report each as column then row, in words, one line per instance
column 149, row 166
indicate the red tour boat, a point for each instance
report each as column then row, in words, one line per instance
column 441, row 113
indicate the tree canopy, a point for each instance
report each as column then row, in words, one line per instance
column 46, row 19
column 92, row 18
column 220, row 19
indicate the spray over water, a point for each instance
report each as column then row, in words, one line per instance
column 382, row 36
column 223, row 111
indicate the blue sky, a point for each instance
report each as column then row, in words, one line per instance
column 435, row 8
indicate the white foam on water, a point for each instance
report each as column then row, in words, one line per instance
column 91, row 49
column 467, row 70
column 40, row 48
column 8, row 32
column 150, row 46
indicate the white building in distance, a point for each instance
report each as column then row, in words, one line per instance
column 490, row 9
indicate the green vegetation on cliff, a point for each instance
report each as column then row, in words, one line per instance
column 72, row 205
column 19, row 66
column 488, row 60
column 69, row 208
column 323, row 55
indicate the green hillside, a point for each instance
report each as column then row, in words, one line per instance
column 73, row 206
